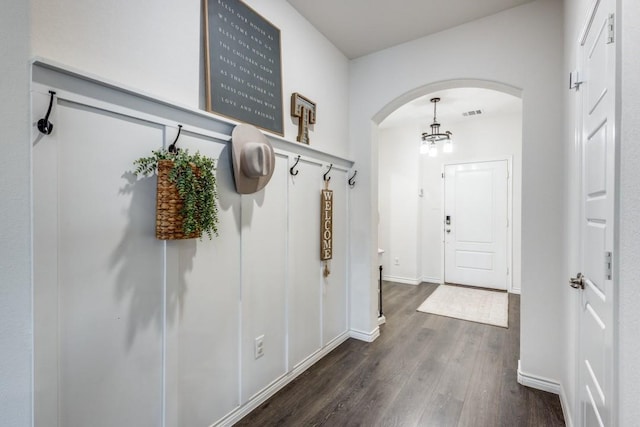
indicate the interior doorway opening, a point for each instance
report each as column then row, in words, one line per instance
column 485, row 120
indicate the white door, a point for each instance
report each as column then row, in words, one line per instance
column 475, row 224
column 595, row 348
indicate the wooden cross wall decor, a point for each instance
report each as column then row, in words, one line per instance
column 305, row 110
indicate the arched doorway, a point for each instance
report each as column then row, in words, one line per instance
column 487, row 126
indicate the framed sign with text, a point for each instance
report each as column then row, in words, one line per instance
column 243, row 71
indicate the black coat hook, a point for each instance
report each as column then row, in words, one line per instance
column 327, row 173
column 44, row 125
column 352, row 180
column 293, row 167
column 172, row 147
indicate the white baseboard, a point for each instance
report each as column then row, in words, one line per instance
column 515, row 291
column 403, row 280
column 546, row 384
column 365, row 336
column 566, row 408
column 429, row 279
column 382, row 320
column 538, row 383
column 259, row 398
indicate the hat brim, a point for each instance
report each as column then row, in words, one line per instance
column 241, row 135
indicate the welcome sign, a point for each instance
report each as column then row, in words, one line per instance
column 326, row 225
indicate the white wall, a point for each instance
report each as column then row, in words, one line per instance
column 167, row 330
column 494, row 138
column 15, row 224
column 403, row 173
column 155, row 47
column 219, row 295
column 399, row 204
column 628, row 16
column 519, row 47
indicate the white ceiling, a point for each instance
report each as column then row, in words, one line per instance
column 359, row 27
column 453, row 102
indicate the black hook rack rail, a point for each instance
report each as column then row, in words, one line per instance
column 352, row 180
column 44, row 125
column 327, row 173
column 291, row 170
column 172, row 148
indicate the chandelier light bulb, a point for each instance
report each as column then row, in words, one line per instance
column 433, row 150
column 448, row 146
column 424, row 147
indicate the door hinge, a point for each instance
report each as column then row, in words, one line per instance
column 607, row 265
column 611, row 25
column 574, row 80
column 443, row 174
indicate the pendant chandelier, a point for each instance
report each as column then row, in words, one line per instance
column 428, row 144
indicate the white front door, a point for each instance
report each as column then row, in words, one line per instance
column 597, row 142
column 475, row 224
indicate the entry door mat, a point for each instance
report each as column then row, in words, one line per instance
column 475, row 305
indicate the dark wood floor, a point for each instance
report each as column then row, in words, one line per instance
column 424, row 370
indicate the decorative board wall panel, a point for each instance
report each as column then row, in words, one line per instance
column 205, row 305
column 109, row 282
column 334, row 287
column 130, row 330
column 264, row 278
column 305, row 271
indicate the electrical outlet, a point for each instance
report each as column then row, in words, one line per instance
column 396, row 261
column 259, row 347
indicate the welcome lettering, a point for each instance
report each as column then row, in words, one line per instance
column 326, row 225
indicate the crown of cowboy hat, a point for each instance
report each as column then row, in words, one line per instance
column 253, row 159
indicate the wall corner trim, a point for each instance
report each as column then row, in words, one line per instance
column 566, row 407
column 539, row 383
column 365, row 336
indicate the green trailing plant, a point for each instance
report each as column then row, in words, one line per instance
column 193, row 175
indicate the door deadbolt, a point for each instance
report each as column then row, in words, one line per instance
column 577, row 282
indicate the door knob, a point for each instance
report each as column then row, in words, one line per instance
column 577, row 282
column 448, row 230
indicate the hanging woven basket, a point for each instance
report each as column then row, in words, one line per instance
column 169, row 220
